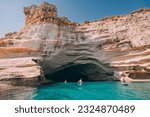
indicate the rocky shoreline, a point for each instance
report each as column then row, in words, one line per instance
column 113, row 48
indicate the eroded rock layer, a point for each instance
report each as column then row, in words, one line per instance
column 112, row 48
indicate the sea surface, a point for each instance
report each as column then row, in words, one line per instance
column 82, row 91
column 93, row 91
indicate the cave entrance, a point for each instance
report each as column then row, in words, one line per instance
column 86, row 72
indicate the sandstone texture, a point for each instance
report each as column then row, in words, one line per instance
column 113, row 48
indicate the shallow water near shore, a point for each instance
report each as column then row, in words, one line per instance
column 93, row 91
column 85, row 91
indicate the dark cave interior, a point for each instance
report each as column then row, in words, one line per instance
column 86, row 72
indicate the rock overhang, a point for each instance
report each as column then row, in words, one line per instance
column 113, row 44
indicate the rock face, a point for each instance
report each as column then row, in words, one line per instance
column 43, row 13
column 112, row 48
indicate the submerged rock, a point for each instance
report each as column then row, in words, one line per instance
column 52, row 46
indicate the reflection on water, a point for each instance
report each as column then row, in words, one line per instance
column 17, row 93
column 82, row 91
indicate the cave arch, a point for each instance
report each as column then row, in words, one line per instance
column 75, row 72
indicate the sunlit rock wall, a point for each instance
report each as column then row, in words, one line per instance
column 118, row 46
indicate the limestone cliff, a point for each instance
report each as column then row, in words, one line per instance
column 113, row 48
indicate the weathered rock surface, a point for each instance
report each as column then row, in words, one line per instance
column 112, row 48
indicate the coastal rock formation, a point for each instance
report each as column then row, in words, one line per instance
column 113, row 48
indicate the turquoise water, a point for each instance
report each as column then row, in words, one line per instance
column 93, row 91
